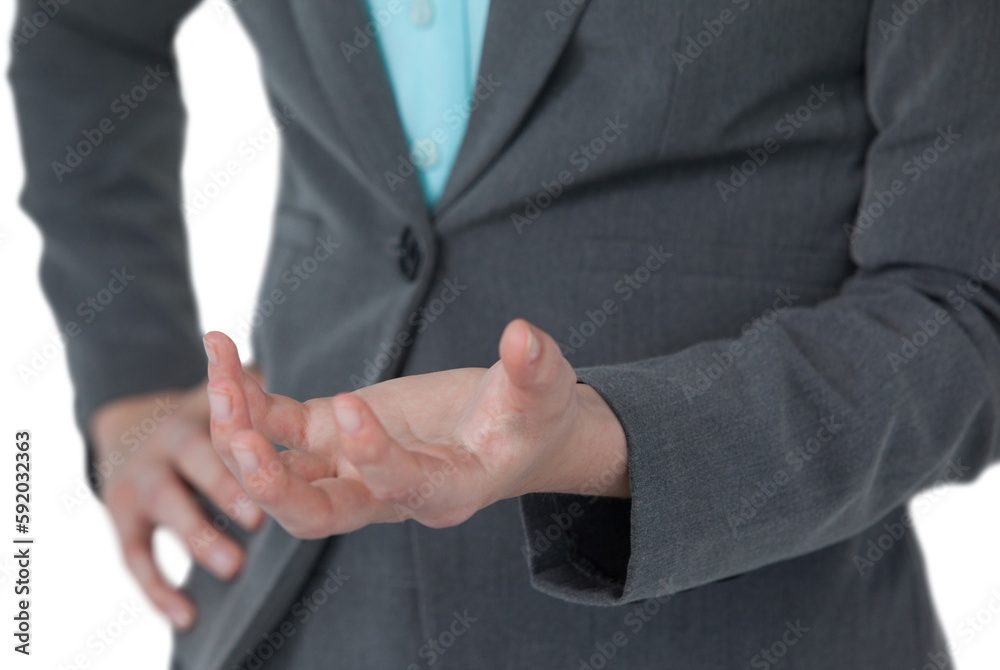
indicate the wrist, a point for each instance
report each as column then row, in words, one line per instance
column 592, row 459
column 122, row 423
column 601, row 450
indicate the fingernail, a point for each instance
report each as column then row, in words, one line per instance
column 180, row 617
column 213, row 356
column 533, row 345
column 222, row 561
column 245, row 457
column 348, row 418
column 221, row 404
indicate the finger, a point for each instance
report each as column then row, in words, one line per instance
column 282, row 419
column 224, row 367
column 223, row 356
column 534, row 363
column 201, row 466
column 168, row 502
column 136, row 535
column 224, row 362
column 325, row 507
column 229, row 415
column 232, row 414
column 388, row 470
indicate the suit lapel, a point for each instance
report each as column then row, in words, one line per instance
column 359, row 93
column 523, row 43
column 524, row 39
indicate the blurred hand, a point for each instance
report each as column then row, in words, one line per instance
column 435, row 447
column 153, row 450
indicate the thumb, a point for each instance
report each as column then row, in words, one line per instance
column 533, row 361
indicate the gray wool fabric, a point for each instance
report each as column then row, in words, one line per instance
column 765, row 233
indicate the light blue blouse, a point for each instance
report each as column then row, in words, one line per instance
column 431, row 49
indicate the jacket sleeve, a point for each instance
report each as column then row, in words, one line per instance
column 101, row 121
column 838, row 413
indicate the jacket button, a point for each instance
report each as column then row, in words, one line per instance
column 409, row 254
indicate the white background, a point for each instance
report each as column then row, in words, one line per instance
column 79, row 584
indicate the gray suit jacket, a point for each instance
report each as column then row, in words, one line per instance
column 765, row 232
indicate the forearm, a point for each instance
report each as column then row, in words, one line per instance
column 810, row 435
column 101, row 123
column 835, row 413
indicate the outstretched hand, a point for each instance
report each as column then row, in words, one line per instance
column 436, row 447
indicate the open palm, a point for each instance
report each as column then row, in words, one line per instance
column 436, row 447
